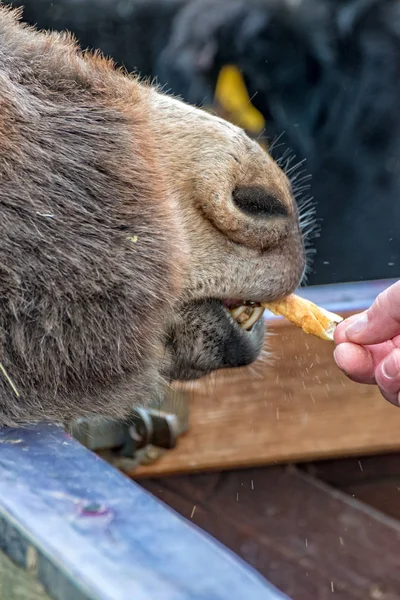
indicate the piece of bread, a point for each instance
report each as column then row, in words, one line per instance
column 306, row 315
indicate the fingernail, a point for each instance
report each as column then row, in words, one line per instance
column 358, row 325
column 391, row 367
column 337, row 355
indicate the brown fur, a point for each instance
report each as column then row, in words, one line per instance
column 119, row 234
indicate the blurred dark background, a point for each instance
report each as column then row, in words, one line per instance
column 325, row 75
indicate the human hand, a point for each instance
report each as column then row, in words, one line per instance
column 368, row 345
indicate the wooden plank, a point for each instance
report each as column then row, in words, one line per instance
column 374, row 480
column 353, row 471
column 309, row 540
column 294, row 406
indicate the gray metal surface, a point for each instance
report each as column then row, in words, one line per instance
column 88, row 532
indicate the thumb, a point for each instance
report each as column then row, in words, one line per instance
column 379, row 323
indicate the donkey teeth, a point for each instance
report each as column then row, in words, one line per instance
column 255, row 315
column 247, row 316
column 236, row 312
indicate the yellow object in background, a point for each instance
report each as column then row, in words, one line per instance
column 232, row 97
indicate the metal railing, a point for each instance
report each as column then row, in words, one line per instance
column 85, row 531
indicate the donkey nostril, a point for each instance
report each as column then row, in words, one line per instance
column 258, row 202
